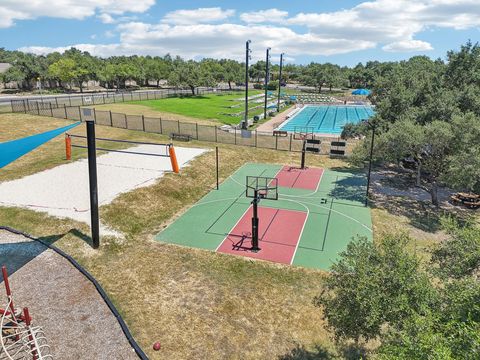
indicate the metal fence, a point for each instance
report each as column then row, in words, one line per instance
column 55, row 102
column 211, row 133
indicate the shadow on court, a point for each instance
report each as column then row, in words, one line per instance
column 351, row 188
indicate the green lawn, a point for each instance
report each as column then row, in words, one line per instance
column 207, row 107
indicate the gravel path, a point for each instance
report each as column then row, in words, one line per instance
column 77, row 322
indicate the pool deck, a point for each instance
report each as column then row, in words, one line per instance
column 276, row 121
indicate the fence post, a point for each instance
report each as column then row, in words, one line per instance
column 178, row 125
column 235, row 135
column 56, row 101
column 256, row 140
column 196, row 129
column 24, row 106
column 290, row 146
column 103, row 97
column 143, row 122
column 111, row 119
column 126, row 121
column 79, row 113
column 123, row 97
column 276, row 142
column 68, row 147
column 65, row 108
column 51, row 110
column 161, row 126
column 216, row 139
column 38, row 109
column 114, row 98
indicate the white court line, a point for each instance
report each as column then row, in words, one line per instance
column 226, row 237
column 303, row 228
column 338, row 212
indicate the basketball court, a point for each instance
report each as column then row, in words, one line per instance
column 306, row 217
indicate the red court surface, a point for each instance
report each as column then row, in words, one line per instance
column 279, row 233
column 291, row 177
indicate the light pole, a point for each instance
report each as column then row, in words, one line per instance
column 280, row 82
column 267, row 75
column 371, row 125
column 247, row 58
column 39, row 79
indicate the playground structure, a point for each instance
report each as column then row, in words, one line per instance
column 19, row 338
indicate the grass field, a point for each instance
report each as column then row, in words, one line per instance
column 205, row 107
column 194, row 301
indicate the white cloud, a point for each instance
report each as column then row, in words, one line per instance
column 106, row 18
column 394, row 22
column 219, row 41
column 408, row 46
column 264, row 16
column 11, row 10
column 197, row 16
column 389, row 24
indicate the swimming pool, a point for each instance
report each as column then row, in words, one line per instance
column 327, row 119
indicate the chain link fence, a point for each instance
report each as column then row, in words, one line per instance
column 56, row 102
column 196, row 131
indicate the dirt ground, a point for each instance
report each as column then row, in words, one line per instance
column 77, row 322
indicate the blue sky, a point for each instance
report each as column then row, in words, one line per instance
column 343, row 31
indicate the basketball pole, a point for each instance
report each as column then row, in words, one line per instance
column 92, row 177
column 304, row 151
column 255, row 201
column 216, row 163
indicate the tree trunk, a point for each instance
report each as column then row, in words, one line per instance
column 230, row 85
column 158, row 83
column 320, row 89
column 80, row 85
column 419, row 174
column 192, row 88
column 434, row 192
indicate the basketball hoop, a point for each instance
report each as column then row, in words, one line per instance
column 259, row 188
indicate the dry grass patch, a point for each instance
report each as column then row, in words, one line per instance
column 199, row 304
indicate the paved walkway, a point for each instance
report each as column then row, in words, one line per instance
column 276, row 121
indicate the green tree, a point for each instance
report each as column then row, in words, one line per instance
column 372, row 286
column 64, row 70
column 190, row 74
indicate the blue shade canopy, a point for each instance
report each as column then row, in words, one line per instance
column 361, row 92
column 14, row 149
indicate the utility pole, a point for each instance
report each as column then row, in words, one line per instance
column 371, row 126
column 267, row 75
column 247, row 58
column 280, row 82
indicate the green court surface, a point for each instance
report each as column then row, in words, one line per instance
column 334, row 212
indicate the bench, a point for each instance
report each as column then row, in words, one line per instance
column 181, row 137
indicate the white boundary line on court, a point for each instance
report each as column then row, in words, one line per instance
column 233, row 227
column 301, row 232
column 340, row 213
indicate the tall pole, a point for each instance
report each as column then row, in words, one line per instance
column 247, row 58
column 267, row 75
column 255, row 201
column 280, row 82
column 92, row 177
column 216, row 163
column 370, row 163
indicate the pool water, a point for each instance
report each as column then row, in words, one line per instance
column 327, row 119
